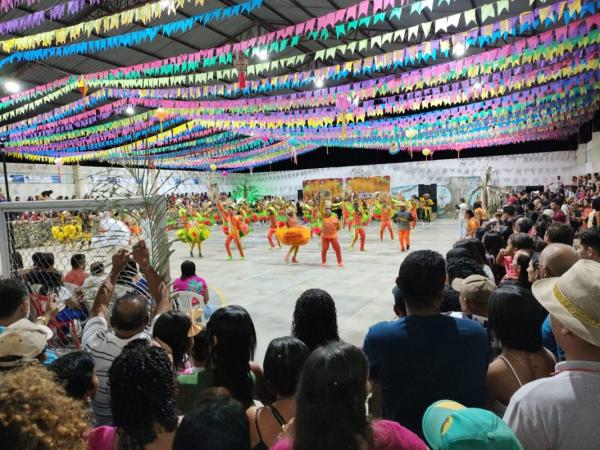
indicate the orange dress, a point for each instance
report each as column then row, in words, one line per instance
column 293, row 235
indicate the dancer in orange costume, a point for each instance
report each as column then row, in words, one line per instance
column 293, row 235
column 386, row 221
column 329, row 235
column 403, row 219
column 414, row 205
column 234, row 226
column 360, row 220
column 272, row 215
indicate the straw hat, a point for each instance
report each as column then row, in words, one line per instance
column 573, row 299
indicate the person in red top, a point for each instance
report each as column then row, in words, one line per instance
column 234, row 225
column 329, row 235
column 272, row 214
column 77, row 274
column 386, row 221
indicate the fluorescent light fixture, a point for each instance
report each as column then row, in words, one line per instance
column 263, row 55
column 459, row 50
column 12, row 86
column 319, row 83
column 130, row 110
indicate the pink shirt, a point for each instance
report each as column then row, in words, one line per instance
column 191, row 284
column 507, row 263
column 387, row 435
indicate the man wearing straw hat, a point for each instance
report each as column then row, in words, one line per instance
column 562, row 412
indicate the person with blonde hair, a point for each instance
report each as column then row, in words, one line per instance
column 36, row 413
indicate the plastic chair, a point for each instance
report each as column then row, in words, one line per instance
column 186, row 301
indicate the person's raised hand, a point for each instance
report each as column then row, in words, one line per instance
column 52, row 307
column 141, row 255
column 120, row 260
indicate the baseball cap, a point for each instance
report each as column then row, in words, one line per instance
column 475, row 288
column 23, row 339
column 448, row 425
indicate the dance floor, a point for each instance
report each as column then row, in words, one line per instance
column 268, row 287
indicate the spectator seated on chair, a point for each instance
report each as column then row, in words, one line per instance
column 77, row 274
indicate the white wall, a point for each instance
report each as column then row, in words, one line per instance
column 512, row 170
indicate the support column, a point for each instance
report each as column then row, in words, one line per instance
column 77, row 181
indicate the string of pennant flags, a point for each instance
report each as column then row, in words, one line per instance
column 535, row 75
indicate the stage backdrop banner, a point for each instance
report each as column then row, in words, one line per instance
column 366, row 187
column 312, row 187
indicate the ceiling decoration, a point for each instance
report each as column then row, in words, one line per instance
column 243, row 84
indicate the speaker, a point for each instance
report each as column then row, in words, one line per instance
column 530, row 189
column 300, row 195
column 430, row 189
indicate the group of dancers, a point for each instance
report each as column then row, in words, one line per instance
column 296, row 224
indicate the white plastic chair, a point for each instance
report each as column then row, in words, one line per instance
column 186, row 301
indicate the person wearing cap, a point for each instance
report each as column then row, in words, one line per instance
column 448, row 425
column 474, row 293
column 561, row 412
column 14, row 306
column 23, row 342
column 403, row 219
column 425, row 356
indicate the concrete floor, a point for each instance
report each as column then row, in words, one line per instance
column 268, row 287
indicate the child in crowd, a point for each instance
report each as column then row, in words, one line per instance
column 516, row 242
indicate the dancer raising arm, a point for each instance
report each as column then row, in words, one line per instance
column 232, row 224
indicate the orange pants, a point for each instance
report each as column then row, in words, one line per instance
column 404, row 238
column 237, row 243
column 386, row 225
column 336, row 248
column 360, row 234
column 270, row 237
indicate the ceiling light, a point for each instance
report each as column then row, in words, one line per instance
column 263, row 55
column 319, row 83
column 12, row 86
column 458, row 50
column 130, row 110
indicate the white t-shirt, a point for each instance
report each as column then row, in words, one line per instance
column 561, row 412
column 462, row 209
column 104, row 346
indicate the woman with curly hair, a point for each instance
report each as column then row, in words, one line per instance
column 143, row 408
column 35, row 412
column 315, row 319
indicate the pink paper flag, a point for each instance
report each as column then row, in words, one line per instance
column 377, row 5
column 351, row 13
column 363, row 8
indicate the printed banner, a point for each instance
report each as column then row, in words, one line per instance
column 312, row 187
column 365, row 188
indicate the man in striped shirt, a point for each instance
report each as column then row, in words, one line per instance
column 130, row 320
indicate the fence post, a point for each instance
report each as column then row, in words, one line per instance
column 4, row 245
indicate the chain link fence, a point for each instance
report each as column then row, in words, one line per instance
column 65, row 248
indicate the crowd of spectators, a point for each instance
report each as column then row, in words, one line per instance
column 495, row 345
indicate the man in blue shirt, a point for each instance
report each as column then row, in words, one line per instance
column 426, row 356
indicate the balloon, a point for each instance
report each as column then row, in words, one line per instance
column 411, row 133
column 293, row 141
column 426, row 152
column 213, row 167
column 224, row 173
column 58, row 162
column 394, row 149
